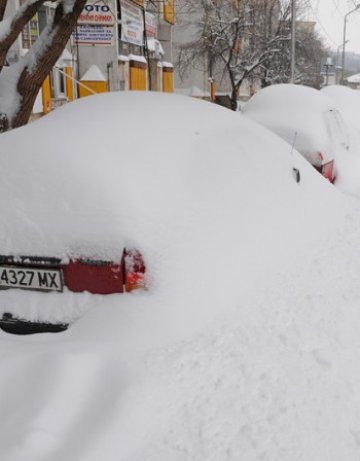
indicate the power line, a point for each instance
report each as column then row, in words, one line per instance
column 316, row 15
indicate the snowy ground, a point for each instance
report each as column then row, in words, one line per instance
column 246, row 345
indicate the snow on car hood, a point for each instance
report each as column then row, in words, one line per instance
column 303, row 117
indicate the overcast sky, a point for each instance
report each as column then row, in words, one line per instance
column 329, row 15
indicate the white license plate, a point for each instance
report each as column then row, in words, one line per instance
column 30, row 278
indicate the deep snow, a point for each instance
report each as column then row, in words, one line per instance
column 302, row 116
column 246, row 344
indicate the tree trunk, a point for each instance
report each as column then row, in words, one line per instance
column 31, row 79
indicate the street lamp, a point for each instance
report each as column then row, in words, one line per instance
column 338, row 64
column 293, row 39
column 344, row 42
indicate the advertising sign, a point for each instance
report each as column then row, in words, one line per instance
column 97, row 13
column 169, row 11
column 150, row 25
column 327, row 67
column 88, row 34
column 132, row 23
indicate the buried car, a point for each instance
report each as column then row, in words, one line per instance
column 304, row 117
column 63, row 236
column 45, row 274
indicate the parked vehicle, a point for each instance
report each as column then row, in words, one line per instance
column 62, row 233
column 304, row 117
column 46, row 274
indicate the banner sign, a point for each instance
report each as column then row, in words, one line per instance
column 94, row 35
column 132, row 23
column 150, row 25
column 98, row 13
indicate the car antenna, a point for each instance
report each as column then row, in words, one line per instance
column 295, row 171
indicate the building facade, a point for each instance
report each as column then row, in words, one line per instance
column 116, row 45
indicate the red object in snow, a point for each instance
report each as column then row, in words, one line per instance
column 78, row 275
column 102, row 277
column 97, row 277
column 328, row 171
column 134, row 270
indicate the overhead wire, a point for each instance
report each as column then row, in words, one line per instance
column 316, row 15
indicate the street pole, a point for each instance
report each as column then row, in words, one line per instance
column 338, row 64
column 344, row 43
column 293, row 39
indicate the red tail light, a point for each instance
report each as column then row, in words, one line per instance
column 328, row 171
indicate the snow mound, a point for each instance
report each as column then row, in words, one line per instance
column 100, row 174
column 302, row 116
column 247, row 342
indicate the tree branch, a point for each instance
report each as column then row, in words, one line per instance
column 3, row 4
column 42, row 57
column 16, row 24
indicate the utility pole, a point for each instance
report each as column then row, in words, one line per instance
column 344, row 43
column 293, row 39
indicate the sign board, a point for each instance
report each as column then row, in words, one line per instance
column 88, row 34
column 150, row 25
column 169, row 11
column 97, row 13
column 132, row 23
column 327, row 67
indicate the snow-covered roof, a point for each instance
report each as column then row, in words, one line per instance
column 138, row 58
column 123, row 58
column 93, row 74
column 155, row 46
column 66, row 59
column 354, row 78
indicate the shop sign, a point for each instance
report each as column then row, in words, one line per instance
column 169, row 11
column 150, row 25
column 132, row 23
column 94, row 35
column 98, row 13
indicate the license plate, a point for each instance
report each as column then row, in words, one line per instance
column 30, row 278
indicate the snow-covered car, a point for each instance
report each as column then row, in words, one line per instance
column 247, row 340
column 304, row 117
column 348, row 102
column 61, row 234
column 77, row 275
column 85, row 191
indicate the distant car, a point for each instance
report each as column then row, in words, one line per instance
column 348, row 102
column 304, row 117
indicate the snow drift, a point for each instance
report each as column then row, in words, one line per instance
column 246, row 343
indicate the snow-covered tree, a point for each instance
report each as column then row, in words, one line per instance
column 21, row 81
column 239, row 38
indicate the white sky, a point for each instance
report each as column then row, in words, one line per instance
column 329, row 14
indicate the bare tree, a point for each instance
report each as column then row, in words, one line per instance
column 249, row 40
column 21, row 81
column 238, row 38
